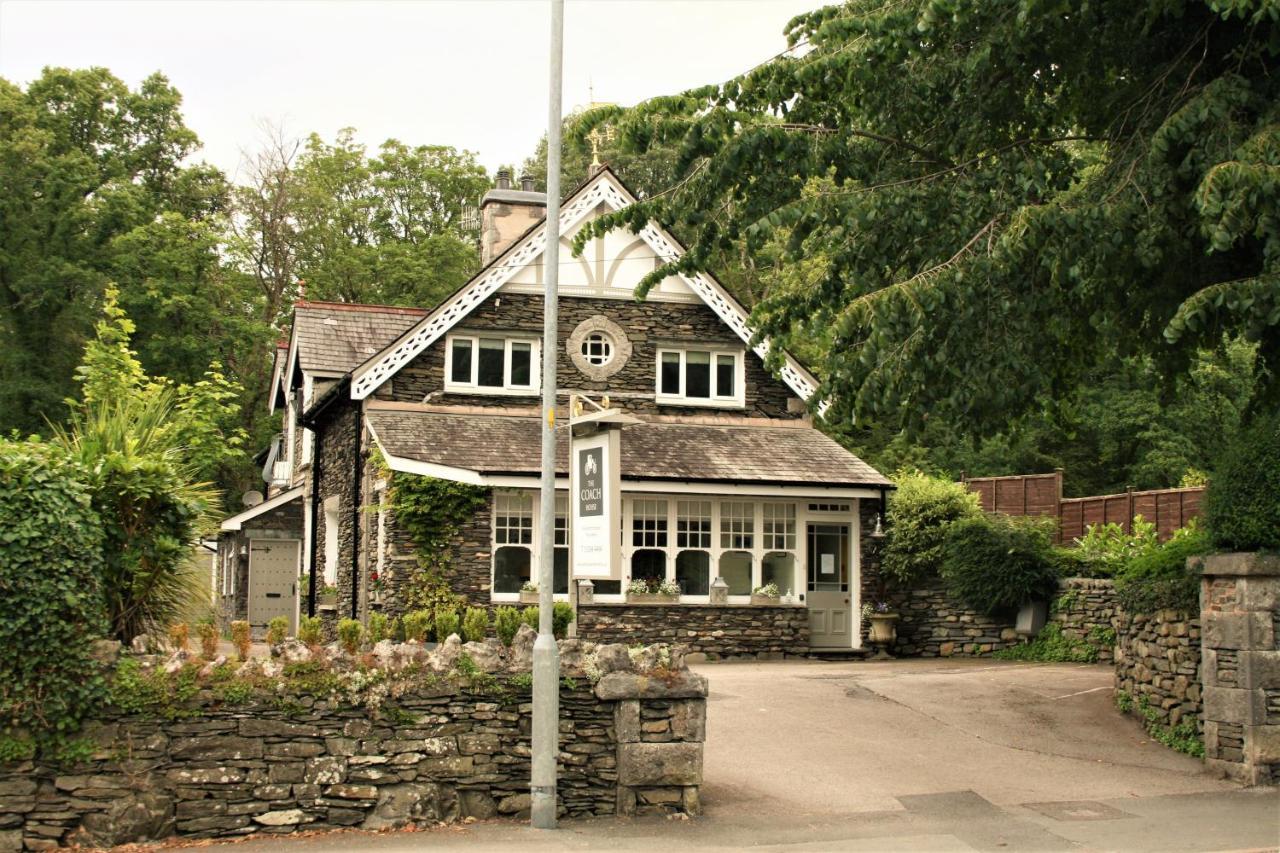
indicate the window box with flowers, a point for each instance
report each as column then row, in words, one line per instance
column 529, row 593
column 641, row 591
column 769, row 594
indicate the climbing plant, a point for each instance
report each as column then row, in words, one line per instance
column 431, row 511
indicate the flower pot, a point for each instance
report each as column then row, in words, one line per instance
column 650, row 598
column 884, row 629
column 768, row 600
column 527, row 597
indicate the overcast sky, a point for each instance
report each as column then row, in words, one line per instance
column 468, row 74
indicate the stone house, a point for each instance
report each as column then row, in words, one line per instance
column 725, row 477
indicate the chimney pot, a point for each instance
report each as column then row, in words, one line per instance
column 526, row 183
column 504, row 179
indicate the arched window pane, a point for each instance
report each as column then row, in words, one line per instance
column 649, row 565
column 735, row 568
column 779, row 568
column 693, row 572
column 510, row 568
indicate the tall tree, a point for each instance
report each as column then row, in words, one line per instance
column 998, row 193
column 84, row 160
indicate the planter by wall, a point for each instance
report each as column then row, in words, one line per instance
column 884, row 627
column 651, row 598
column 527, row 597
column 768, row 600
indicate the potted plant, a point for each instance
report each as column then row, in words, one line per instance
column 528, row 593
column 377, row 585
column 767, row 594
column 652, row 591
column 883, row 619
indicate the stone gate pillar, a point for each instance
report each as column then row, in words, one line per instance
column 1240, row 643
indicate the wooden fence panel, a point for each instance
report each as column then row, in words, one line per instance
column 1041, row 494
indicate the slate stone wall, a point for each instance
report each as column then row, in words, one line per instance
column 647, row 324
column 718, row 632
column 1240, row 612
column 629, row 744
column 1085, row 610
column 337, row 453
column 1157, row 663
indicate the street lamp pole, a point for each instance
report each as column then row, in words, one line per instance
column 546, row 656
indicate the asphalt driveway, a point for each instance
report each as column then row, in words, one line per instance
column 910, row 755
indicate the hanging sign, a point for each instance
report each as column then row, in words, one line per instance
column 594, row 483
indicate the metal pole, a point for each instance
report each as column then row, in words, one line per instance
column 546, row 656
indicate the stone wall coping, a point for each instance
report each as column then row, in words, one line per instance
column 800, row 605
column 1243, row 564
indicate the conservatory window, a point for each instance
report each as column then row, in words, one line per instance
column 737, row 524
column 511, row 567
column 650, row 565
column 735, row 568
column 779, row 528
column 649, row 524
column 560, row 584
column 513, row 518
column 693, row 524
column 779, row 568
column 693, row 572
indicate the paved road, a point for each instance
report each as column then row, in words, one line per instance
column 910, row 755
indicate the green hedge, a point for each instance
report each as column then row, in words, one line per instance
column 994, row 564
column 920, row 512
column 1158, row 578
column 1242, row 508
column 50, row 565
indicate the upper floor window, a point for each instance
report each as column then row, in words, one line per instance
column 491, row 365
column 695, row 377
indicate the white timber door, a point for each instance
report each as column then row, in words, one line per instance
column 829, row 599
column 273, row 581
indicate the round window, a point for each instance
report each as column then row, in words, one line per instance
column 597, row 349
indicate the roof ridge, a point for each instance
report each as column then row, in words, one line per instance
column 362, row 306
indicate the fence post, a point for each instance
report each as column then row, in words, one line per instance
column 1129, row 526
column 1057, row 506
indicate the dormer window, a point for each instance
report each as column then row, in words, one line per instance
column 491, row 364
column 700, row 377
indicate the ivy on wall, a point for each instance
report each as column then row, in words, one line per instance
column 431, row 511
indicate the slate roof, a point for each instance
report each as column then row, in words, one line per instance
column 650, row 451
column 337, row 337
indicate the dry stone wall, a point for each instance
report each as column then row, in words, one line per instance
column 1085, row 610
column 712, row 631
column 1157, row 664
column 454, row 744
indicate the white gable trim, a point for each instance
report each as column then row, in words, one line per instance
column 604, row 189
column 235, row 522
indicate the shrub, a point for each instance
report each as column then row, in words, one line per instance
column 995, row 563
column 530, row 616
column 1242, row 507
column 350, row 633
column 1054, row 646
column 209, row 637
column 1107, row 548
column 1159, row 579
column 380, row 628
column 475, row 624
column 447, row 624
column 920, row 511
column 241, row 637
column 417, row 623
column 277, row 630
column 179, row 635
column 506, row 622
column 311, row 630
column 50, row 547
column 561, row 618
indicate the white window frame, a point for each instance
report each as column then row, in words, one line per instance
column 474, row 386
column 332, row 509
column 736, row 400
column 534, row 545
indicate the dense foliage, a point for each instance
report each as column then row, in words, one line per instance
column 995, row 564
column 51, row 593
column 1157, row 578
column 1243, row 502
column 920, row 512
column 977, row 203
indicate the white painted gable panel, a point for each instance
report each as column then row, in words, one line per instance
column 610, row 267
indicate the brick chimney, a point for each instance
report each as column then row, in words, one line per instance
column 506, row 213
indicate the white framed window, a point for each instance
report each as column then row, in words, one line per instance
column 491, row 364
column 779, row 527
column 331, row 541
column 693, row 524
column 737, row 525
column 700, row 377
column 560, row 571
column 513, row 518
column 597, row 349
column 516, row 544
column 649, row 524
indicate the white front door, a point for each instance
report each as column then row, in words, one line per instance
column 273, row 581
column 828, row 595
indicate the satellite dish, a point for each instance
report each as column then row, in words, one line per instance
column 251, row 498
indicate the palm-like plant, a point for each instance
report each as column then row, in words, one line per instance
column 152, row 503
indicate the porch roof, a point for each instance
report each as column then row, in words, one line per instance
column 237, row 521
column 491, row 445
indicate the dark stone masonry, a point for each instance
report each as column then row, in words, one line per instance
column 1157, row 663
column 718, row 632
column 1085, row 610
column 449, row 747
